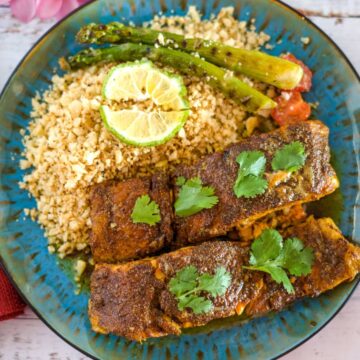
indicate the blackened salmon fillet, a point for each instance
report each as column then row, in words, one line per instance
column 219, row 170
column 114, row 236
column 133, row 299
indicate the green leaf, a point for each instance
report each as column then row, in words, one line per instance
column 187, row 286
column 194, row 182
column 280, row 276
column 184, row 280
column 180, row 181
column 277, row 274
column 295, row 258
column 266, row 247
column 145, row 211
column 216, row 284
column 251, row 163
column 269, row 254
column 250, row 186
column 193, row 197
column 290, row 157
column 249, row 182
column 198, row 304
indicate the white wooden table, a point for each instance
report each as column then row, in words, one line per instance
column 26, row 337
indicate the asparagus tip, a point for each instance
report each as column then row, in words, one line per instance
column 85, row 34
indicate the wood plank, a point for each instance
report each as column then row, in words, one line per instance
column 327, row 8
column 321, row 7
column 31, row 339
column 338, row 340
column 16, row 39
column 345, row 33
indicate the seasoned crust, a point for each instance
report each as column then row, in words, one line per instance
column 336, row 260
column 207, row 258
column 316, row 179
column 114, row 236
column 133, row 300
column 124, row 301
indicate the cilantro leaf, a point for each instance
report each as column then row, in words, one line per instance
column 278, row 275
column 187, row 286
column 250, row 186
column 145, row 211
column 249, row 182
column 267, row 246
column 184, row 280
column 269, row 254
column 290, row 157
column 251, row 163
column 193, row 197
column 198, row 304
column 180, row 181
column 295, row 258
column 216, row 284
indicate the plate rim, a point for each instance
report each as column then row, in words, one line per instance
column 3, row 265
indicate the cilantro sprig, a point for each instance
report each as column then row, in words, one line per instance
column 290, row 157
column 145, row 211
column 187, row 284
column 193, row 197
column 250, row 182
column 269, row 253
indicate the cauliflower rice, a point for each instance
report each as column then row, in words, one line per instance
column 70, row 150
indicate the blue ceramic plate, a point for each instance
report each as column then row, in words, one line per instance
column 42, row 279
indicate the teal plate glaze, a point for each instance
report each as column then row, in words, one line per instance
column 43, row 281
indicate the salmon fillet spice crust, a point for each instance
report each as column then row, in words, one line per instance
column 116, row 238
column 313, row 181
column 133, row 299
column 114, row 235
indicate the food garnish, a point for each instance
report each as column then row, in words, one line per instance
column 221, row 79
column 140, row 81
column 306, row 81
column 255, row 64
column 250, row 182
column 291, row 108
column 188, row 284
column 142, row 128
column 290, row 157
column 269, row 253
column 193, row 197
column 146, row 211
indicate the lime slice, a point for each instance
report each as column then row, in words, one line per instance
column 142, row 128
column 141, row 81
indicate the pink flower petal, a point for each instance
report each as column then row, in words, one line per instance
column 67, row 6
column 24, row 10
column 48, row 8
column 4, row 2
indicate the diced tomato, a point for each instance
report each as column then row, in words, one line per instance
column 291, row 108
column 306, row 81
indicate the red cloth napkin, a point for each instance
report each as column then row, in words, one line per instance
column 11, row 303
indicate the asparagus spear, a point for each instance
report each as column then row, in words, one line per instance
column 269, row 69
column 219, row 78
